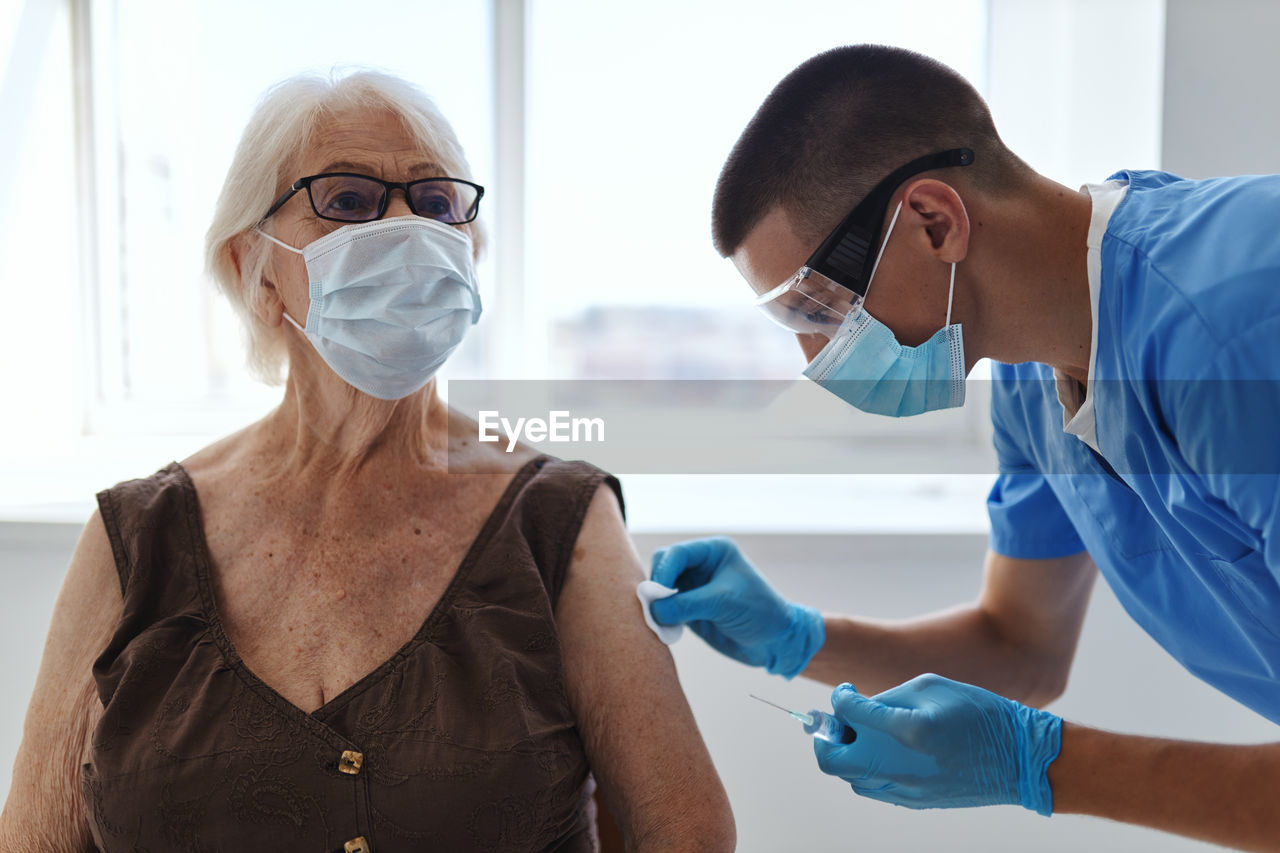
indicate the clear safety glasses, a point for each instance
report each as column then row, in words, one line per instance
column 834, row 280
column 808, row 303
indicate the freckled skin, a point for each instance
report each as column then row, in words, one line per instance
column 335, row 487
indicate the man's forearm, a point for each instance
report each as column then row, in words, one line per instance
column 1018, row 639
column 1225, row 794
column 961, row 644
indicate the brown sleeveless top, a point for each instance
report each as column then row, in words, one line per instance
column 463, row 740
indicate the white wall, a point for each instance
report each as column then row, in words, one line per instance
column 1122, row 681
column 1074, row 85
column 33, row 559
column 1221, row 104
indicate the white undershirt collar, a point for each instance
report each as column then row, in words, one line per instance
column 1077, row 408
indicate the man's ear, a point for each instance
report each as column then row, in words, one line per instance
column 945, row 219
column 263, row 297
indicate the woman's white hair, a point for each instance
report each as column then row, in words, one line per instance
column 279, row 132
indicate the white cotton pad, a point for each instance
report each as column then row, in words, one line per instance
column 649, row 592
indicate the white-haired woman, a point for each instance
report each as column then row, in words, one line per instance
column 350, row 626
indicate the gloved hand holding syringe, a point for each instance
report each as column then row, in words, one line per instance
column 819, row 724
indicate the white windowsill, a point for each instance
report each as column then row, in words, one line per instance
column 56, row 483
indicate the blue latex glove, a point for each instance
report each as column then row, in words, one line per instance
column 938, row 743
column 731, row 606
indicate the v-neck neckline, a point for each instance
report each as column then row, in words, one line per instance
column 315, row 721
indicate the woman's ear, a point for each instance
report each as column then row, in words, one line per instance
column 945, row 219
column 262, row 295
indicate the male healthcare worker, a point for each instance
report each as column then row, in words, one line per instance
column 875, row 211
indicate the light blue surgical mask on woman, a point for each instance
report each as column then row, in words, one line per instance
column 390, row 301
column 864, row 365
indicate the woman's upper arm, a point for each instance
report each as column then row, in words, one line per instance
column 45, row 810
column 645, row 750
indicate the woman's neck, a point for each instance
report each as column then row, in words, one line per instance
column 325, row 427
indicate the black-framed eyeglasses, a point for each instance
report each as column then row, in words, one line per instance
column 810, row 304
column 351, row 197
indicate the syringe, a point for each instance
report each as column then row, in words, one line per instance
column 819, row 724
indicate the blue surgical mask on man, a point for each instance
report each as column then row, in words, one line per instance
column 864, row 365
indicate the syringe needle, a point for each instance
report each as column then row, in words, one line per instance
column 804, row 718
column 767, row 702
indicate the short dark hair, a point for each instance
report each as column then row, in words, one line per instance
column 840, row 123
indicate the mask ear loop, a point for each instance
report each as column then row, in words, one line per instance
column 951, row 290
column 951, row 293
column 296, row 252
column 279, row 243
column 880, row 254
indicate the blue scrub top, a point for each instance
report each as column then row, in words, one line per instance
column 1182, row 517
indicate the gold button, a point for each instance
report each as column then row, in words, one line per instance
column 350, row 762
column 357, row 845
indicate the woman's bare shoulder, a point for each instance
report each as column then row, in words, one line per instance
column 228, row 454
column 621, row 679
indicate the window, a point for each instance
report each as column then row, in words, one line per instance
column 39, row 226
column 619, row 279
column 598, row 130
column 629, row 281
column 174, row 86
column 634, row 288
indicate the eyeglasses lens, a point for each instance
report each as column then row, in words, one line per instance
column 448, row 201
column 347, row 198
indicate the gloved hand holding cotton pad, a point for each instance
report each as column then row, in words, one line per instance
column 649, row 592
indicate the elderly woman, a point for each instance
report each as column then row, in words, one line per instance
column 350, row 626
